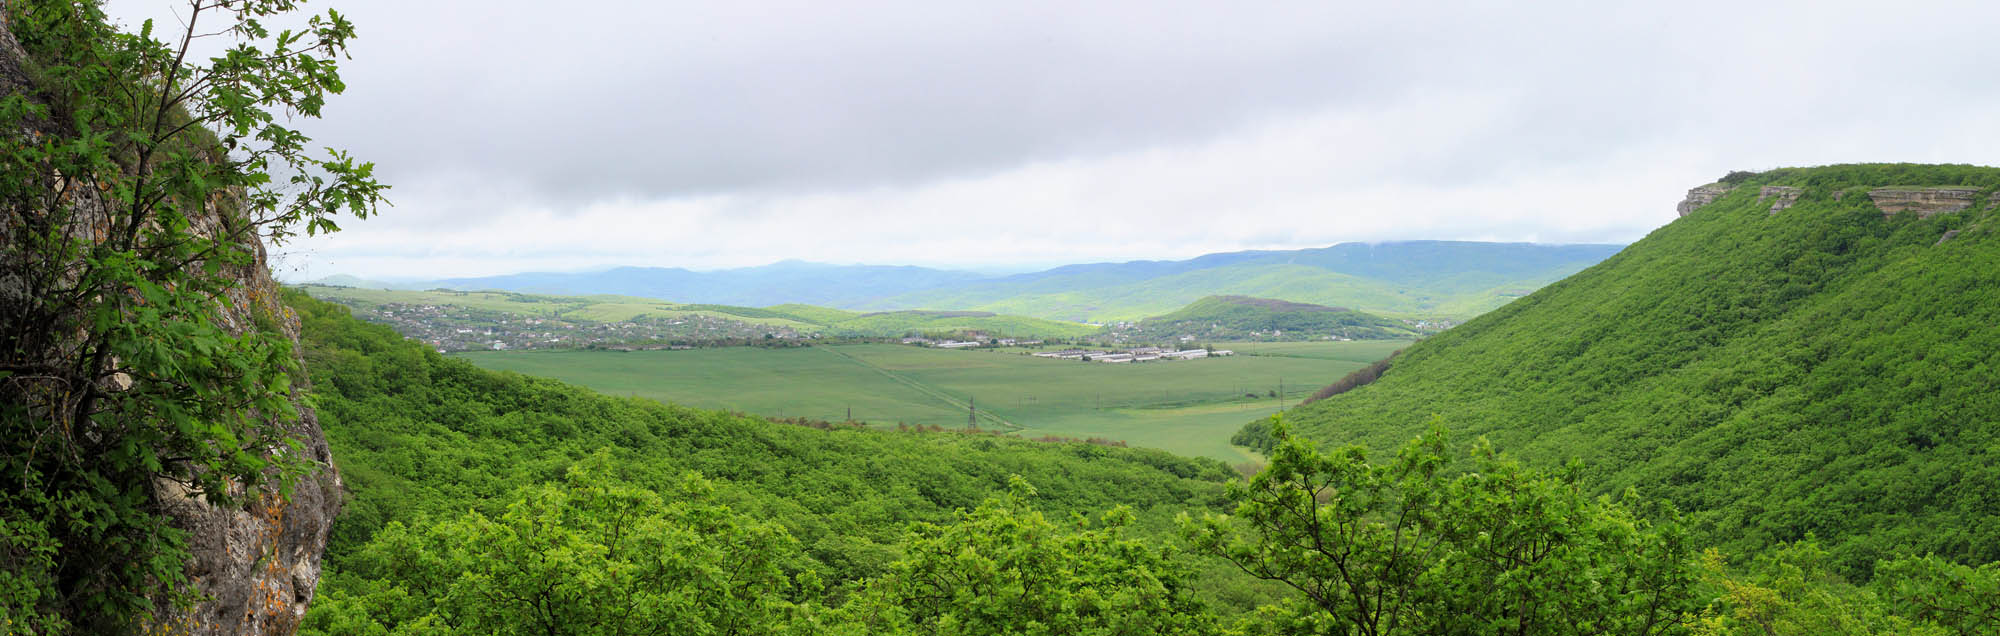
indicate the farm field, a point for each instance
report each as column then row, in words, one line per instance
column 1190, row 408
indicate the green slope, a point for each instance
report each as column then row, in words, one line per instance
column 1244, row 317
column 1821, row 369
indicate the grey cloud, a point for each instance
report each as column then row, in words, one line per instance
column 663, row 100
column 773, row 114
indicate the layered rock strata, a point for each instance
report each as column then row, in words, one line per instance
column 1700, row 196
column 1926, row 202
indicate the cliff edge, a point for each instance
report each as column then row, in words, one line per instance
column 254, row 567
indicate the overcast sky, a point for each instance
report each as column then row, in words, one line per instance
column 562, row 136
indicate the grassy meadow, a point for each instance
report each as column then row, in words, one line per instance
column 1188, row 407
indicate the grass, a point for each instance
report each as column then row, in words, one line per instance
column 1190, row 407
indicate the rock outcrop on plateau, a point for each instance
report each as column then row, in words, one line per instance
column 1926, row 202
column 1700, row 196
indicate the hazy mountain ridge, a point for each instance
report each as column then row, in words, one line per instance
column 783, row 282
column 1412, row 278
column 1417, row 278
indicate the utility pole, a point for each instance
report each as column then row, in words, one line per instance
column 1281, row 393
column 850, row 412
column 972, row 412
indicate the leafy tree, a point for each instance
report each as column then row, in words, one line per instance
column 1960, row 599
column 1797, row 590
column 586, row 556
column 1004, row 568
column 135, row 185
column 1412, row 547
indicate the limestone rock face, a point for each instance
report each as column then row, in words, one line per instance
column 1926, row 202
column 1781, row 197
column 258, row 566
column 1701, row 196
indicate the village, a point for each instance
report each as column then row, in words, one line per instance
column 1139, row 354
column 452, row 328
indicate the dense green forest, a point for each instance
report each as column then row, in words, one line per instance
column 422, row 437
column 486, row 502
column 1246, row 318
column 1823, row 369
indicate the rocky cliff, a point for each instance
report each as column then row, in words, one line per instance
column 1700, row 196
column 1781, row 197
column 1926, row 202
column 256, row 566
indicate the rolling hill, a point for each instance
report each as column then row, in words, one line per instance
column 1804, row 352
column 1431, row 279
column 1443, row 279
column 1247, row 318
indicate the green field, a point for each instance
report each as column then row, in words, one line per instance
column 1188, row 407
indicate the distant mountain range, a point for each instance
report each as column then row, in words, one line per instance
column 1408, row 278
column 1448, row 279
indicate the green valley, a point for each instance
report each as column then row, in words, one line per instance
column 1188, row 407
column 1776, row 415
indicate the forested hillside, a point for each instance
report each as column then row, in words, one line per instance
column 1789, row 360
